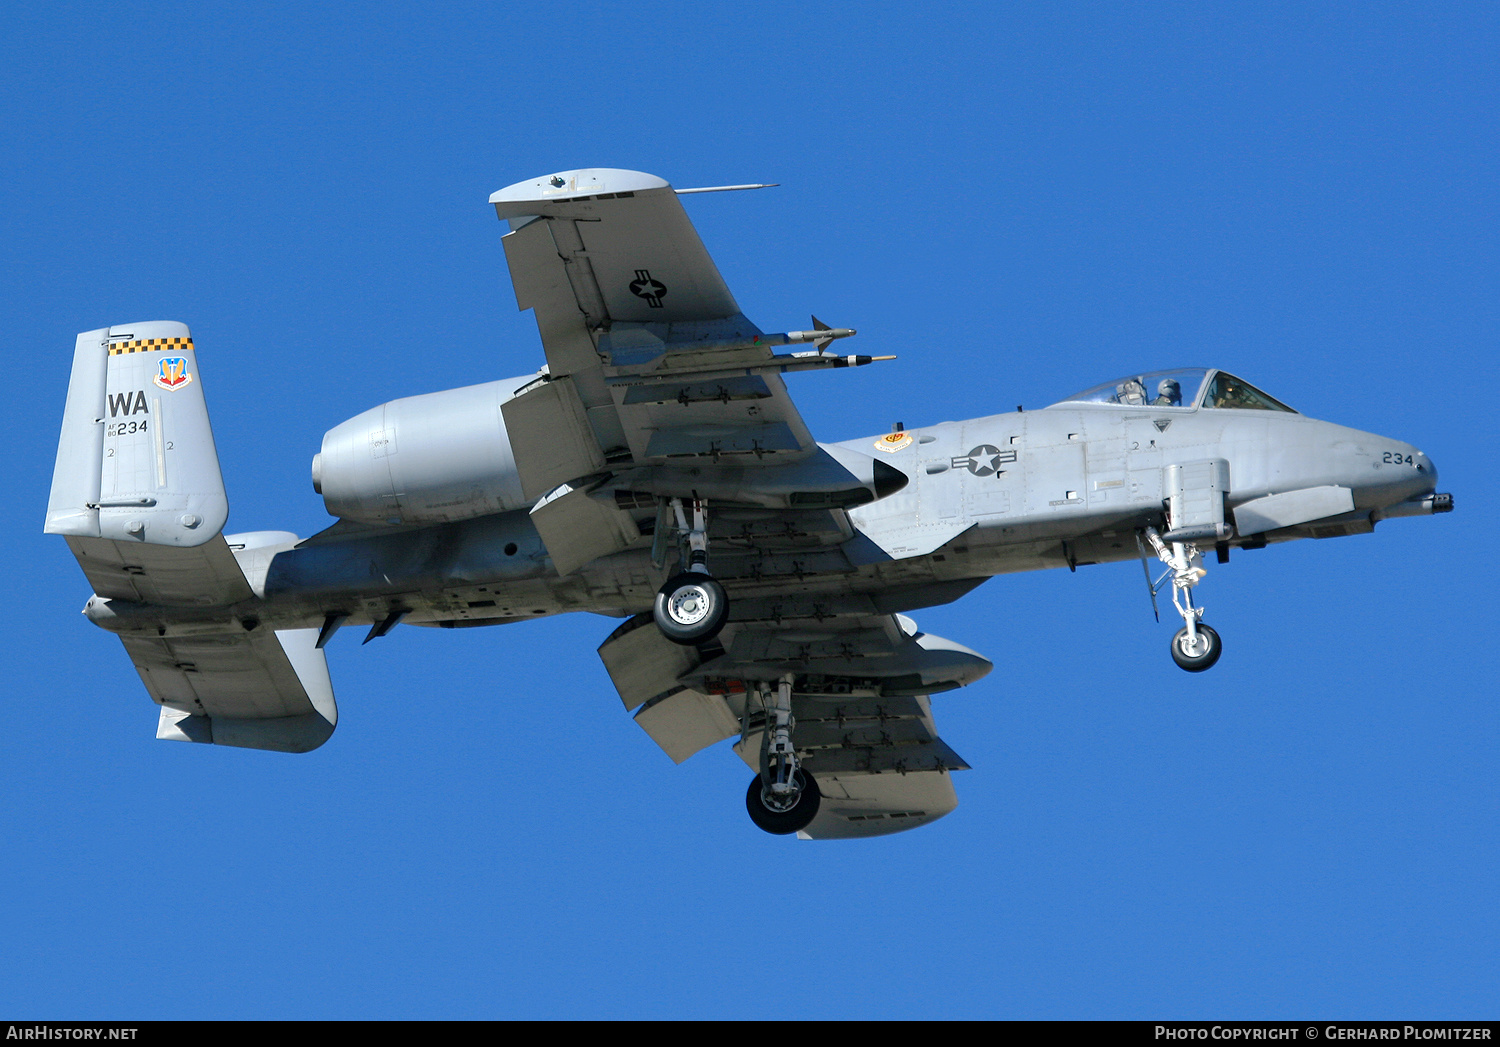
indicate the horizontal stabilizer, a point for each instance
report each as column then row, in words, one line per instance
column 206, row 575
column 255, row 690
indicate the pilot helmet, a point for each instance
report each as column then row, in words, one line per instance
column 1169, row 387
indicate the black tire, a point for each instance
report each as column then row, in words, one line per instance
column 1198, row 663
column 691, row 609
column 784, row 823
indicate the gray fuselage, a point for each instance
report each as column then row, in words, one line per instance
column 1062, row 486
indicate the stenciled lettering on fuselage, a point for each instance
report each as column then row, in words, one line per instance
column 984, row 460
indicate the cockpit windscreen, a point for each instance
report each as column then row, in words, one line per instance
column 1228, row 391
column 1180, row 388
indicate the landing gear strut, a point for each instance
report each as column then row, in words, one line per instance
column 1196, row 647
column 692, row 607
column 782, row 798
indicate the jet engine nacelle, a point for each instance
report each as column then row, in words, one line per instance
column 436, row 458
column 444, row 457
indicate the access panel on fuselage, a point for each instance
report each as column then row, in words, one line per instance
column 1052, row 458
column 988, row 461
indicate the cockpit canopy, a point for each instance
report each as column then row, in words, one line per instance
column 1185, row 387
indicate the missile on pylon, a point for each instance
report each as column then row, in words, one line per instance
column 821, row 335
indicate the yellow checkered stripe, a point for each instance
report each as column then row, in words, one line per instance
column 150, row 345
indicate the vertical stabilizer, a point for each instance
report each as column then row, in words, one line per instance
column 136, row 461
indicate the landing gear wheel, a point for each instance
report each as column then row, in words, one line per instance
column 794, row 818
column 1207, row 653
column 691, row 609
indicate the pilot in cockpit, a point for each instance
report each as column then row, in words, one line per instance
column 1168, row 394
column 1130, row 392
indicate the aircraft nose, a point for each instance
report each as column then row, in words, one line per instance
column 1426, row 467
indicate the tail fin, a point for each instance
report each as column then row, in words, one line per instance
column 136, row 461
column 138, row 493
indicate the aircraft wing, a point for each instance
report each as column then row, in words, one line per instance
column 864, row 731
column 650, row 363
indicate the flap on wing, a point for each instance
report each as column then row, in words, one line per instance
column 576, row 528
column 855, row 736
column 684, row 722
column 644, row 666
column 550, row 437
column 254, row 690
column 642, row 662
column 563, row 314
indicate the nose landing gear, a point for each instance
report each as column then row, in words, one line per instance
column 1196, row 653
column 1196, row 647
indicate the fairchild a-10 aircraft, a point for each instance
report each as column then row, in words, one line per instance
column 656, row 471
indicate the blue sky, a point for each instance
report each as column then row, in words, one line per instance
column 1019, row 201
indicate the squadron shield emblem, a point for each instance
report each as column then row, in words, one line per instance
column 172, row 372
column 892, row 442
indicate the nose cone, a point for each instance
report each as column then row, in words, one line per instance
column 1423, row 474
column 1381, row 471
column 1429, row 469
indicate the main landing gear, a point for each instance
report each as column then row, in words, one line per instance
column 1196, row 647
column 692, row 607
column 1196, row 653
column 782, row 798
